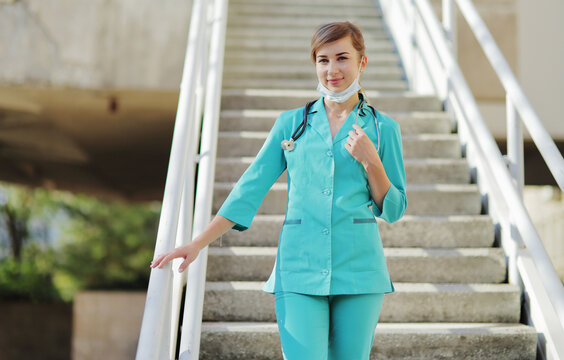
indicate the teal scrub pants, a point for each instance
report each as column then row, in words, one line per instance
column 334, row 327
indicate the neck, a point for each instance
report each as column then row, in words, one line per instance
column 344, row 107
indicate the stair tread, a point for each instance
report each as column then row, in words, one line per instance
column 413, row 187
column 388, row 251
column 312, row 93
column 428, row 161
column 275, row 113
column 263, row 135
column 425, row 328
column 399, row 287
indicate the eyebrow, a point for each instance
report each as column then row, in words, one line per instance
column 339, row 54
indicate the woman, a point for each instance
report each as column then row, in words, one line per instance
column 330, row 274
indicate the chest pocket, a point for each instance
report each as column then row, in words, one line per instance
column 348, row 164
column 304, row 163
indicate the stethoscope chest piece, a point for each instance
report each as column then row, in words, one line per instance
column 288, row 144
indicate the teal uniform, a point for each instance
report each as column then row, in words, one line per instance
column 330, row 243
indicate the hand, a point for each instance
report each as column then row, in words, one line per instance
column 189, row 252
column 361, row 147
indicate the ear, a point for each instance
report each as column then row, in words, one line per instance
column 363, row 62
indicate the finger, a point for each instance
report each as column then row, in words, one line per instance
column 166, row 260
column 183, row 266
column 157, row 260
column 358, row 129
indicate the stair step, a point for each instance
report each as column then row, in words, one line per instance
column 451, row 299
column 263, row 120
column 291, row 33
column 439, row 199
column 325, row 3
column 258, row 341
column 418, row 171
column 309, row 22
column 275, row 58
column 307, row 72
column 300, row 9
column 462, row 265
column 421, row 302
column 248, row 143
column 410, row 231
column 302, row 84
column 287, row 45
column 268, row 99
column 297, row 54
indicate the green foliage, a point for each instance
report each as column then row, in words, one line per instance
column 108, row 245
column 31, row 278
column 97, row 244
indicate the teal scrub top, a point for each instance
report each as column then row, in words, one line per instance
column 330, row 242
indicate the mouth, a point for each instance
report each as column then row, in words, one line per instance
column 334, row 81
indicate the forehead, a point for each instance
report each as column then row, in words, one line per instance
column 342, row 45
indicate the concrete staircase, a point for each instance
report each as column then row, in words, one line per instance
column 451, row 300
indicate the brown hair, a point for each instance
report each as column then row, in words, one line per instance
column 334, row 31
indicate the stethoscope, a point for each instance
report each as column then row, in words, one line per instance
column 289, row 144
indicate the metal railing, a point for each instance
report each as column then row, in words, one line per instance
column 427, row 49
column 203, row 68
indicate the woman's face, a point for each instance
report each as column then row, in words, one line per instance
column 337, row 64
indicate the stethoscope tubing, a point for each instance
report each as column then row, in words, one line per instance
column 289, row 144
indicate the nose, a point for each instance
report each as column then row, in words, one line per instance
column 333, row 68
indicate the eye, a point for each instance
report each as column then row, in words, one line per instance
column 342, row 58
column 322, row 60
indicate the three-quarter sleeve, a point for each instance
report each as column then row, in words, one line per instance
column 243, row 201
column 395, row 200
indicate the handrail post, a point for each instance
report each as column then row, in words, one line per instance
column 449, row 25
column 516, row 168
column 413, row 46
column 514, row 144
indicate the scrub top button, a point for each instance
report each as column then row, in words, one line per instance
column 325, row 231
column 329, row 153
column 324, row 272
column 326, row 191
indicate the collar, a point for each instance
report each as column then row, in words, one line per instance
column 317, row 119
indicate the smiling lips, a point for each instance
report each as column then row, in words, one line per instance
column 334, row 81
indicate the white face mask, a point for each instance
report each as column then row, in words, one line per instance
column 342, row 96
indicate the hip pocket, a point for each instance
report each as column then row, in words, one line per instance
column 363, row 220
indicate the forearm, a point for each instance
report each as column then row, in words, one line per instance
column 378, row 181
column 217, row 227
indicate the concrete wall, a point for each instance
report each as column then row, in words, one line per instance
column 540, row 28
column 93, row 44
column 545, row 205
column 106, row 324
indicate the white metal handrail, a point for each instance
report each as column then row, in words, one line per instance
column 426, row 49
column 516, row 99
column 191, row 326
column 158, row 335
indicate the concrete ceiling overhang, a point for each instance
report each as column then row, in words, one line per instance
column 107, row 143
